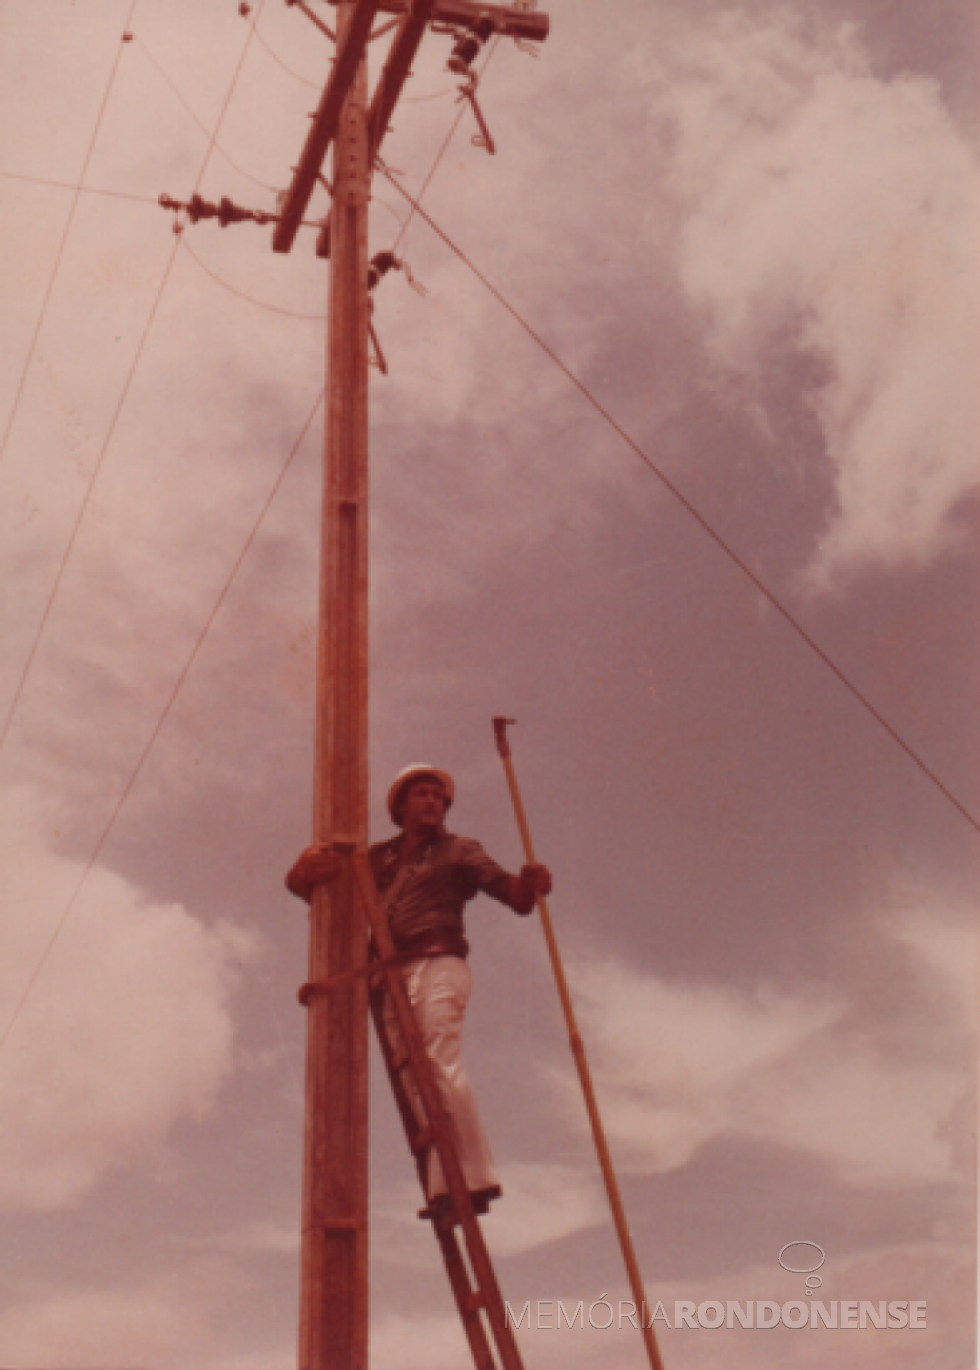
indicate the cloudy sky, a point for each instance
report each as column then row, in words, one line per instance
column 749, row 229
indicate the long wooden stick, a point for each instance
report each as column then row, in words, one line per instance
column 581, row 1064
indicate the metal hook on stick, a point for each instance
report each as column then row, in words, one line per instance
column 581, row 1064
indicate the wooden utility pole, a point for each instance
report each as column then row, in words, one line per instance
column 333, row 1331
column 334, row 1276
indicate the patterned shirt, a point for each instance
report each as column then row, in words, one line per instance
column 425, row 897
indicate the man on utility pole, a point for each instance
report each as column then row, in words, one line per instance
column 425, row 876
column 334, row 1259
column 422, row 878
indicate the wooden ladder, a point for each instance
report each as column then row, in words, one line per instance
column 408, row 1060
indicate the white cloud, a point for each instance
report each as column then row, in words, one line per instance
column 150, row 1325
column 543, row 1203
column 676, row 1065
column 950, row 949
column 177, row 1318
column 672, row 1061
column 126, row 1030
column 825, row 205
column 404, row 1343
column 269, row 1236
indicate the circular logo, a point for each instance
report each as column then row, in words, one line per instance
column 802, row 1269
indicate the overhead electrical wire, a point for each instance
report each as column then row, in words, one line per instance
column 64, row 235
column 692, row 509
column 442, row 151
column 146, row 199
column 158, row 726
column 143, row 755
column 415, row 208
column 141, row 760
column 420, row 99
column 86, row 500
column 318, row 85
column 218, row 280
column 200, row 122
column 272, row 308
column 73, row 536
column 278, row 60
column 77, row 186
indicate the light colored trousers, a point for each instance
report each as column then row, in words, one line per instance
column 439, row 990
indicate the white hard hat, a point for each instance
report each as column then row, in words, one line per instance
column 411, row 773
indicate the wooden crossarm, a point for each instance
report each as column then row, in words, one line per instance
column 404, row 46
column 508, row 20
column 326, row 120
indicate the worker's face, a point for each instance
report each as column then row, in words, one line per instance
column 423, row 805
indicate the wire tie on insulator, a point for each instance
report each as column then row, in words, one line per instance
column 417, row 286
column 468, row 89
column 168, row 202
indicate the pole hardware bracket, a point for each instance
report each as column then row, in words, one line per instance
column 469, row 43
column 381, row 263
column 324, row 28
column 500, row 734
column 378, row 359
column 467, row 91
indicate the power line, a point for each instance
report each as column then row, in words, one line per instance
column 699, row 518
column 65, row 232
column 442, row 151
column 149, row 199
column 200, row 122
column 231, row 90
column 272, row 308
column 77, row 186
column 86, row 500
column 32, row 654
column 158, row 726
column 435, row 95
column 314, row 85
column 318, row 85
